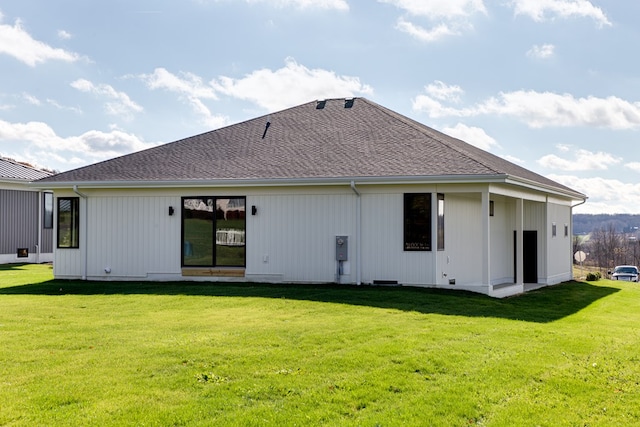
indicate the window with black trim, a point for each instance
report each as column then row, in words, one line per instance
column 417, row 222
column 47, row 210
column 213, row 231
column 68, row 222
column 440, row 221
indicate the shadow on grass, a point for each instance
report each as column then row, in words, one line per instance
column 542, row 306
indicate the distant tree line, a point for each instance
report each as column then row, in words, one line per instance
column 608, row 240
column 622, row 223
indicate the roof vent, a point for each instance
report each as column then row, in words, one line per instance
column 320, row 104
column 348, row 102
column 266, row 127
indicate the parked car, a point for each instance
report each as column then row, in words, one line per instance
column 629, row 273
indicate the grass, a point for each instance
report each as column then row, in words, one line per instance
column 189, row 354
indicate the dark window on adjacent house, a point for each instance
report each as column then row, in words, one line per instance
column 68, row 222
column 440, row 222
column 417, row 222
column 553, row 230
column 566, row 230
column 213, row 231
column 47, row 213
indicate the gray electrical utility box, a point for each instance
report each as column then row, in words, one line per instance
column 342, row 248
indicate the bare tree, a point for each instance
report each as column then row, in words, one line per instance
column 607, row 249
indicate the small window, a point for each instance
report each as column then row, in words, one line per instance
column 47, row 220
column 417, row 222
column 491, row 208
column 68, row 222
column 554, row 231
column 566, row 230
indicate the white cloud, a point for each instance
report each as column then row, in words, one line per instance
column 94, row 145
column 288, row 86
column 16, row 42
column 540, row 10
column 31, row 99
column 59, row 106
column 444, row 92
column 307, row 4
column 446, row 18
column 473, row 135
column 64, row 35
column 426, row 35
column 188, row 85
column 543, row 109
column 300, row 4
column 191, row 89
column 438, row 9
column 605, row 195
column 634, row 166
column 541, row 52
column 583, row 160
column 513, row 159
column 121, row 105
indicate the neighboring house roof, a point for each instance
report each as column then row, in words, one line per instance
column 10, row 170
column 320, row 140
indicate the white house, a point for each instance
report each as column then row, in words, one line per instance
column 26, row 215
column 340, row 190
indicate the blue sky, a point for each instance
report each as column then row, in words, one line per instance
column 552, row 85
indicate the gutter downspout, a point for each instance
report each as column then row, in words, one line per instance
column 85, row 230
column 358, row 233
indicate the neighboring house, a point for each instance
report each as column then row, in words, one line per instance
column 341, row 190
column 26, row 215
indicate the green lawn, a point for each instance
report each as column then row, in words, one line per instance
column 188, row 354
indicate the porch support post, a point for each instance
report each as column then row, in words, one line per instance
column 437, row 268
column 486, row 239
column 519, row 243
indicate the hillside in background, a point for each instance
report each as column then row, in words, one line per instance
column 622, row 223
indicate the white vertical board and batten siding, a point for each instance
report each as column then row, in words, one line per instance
column 383, row 254
column 67, row 262
column 292, row 236
column 135, row 235
column 132, row 235
column 560, row 247
column 535, row 218
column 462, row 256
column 502, row 225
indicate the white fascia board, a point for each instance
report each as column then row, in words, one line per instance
column 574, row 195
column 274, row 182
column 345, row 180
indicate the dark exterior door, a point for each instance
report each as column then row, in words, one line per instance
column 529, row 255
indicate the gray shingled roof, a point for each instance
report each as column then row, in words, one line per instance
column 12, row 170
column 306, row 142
